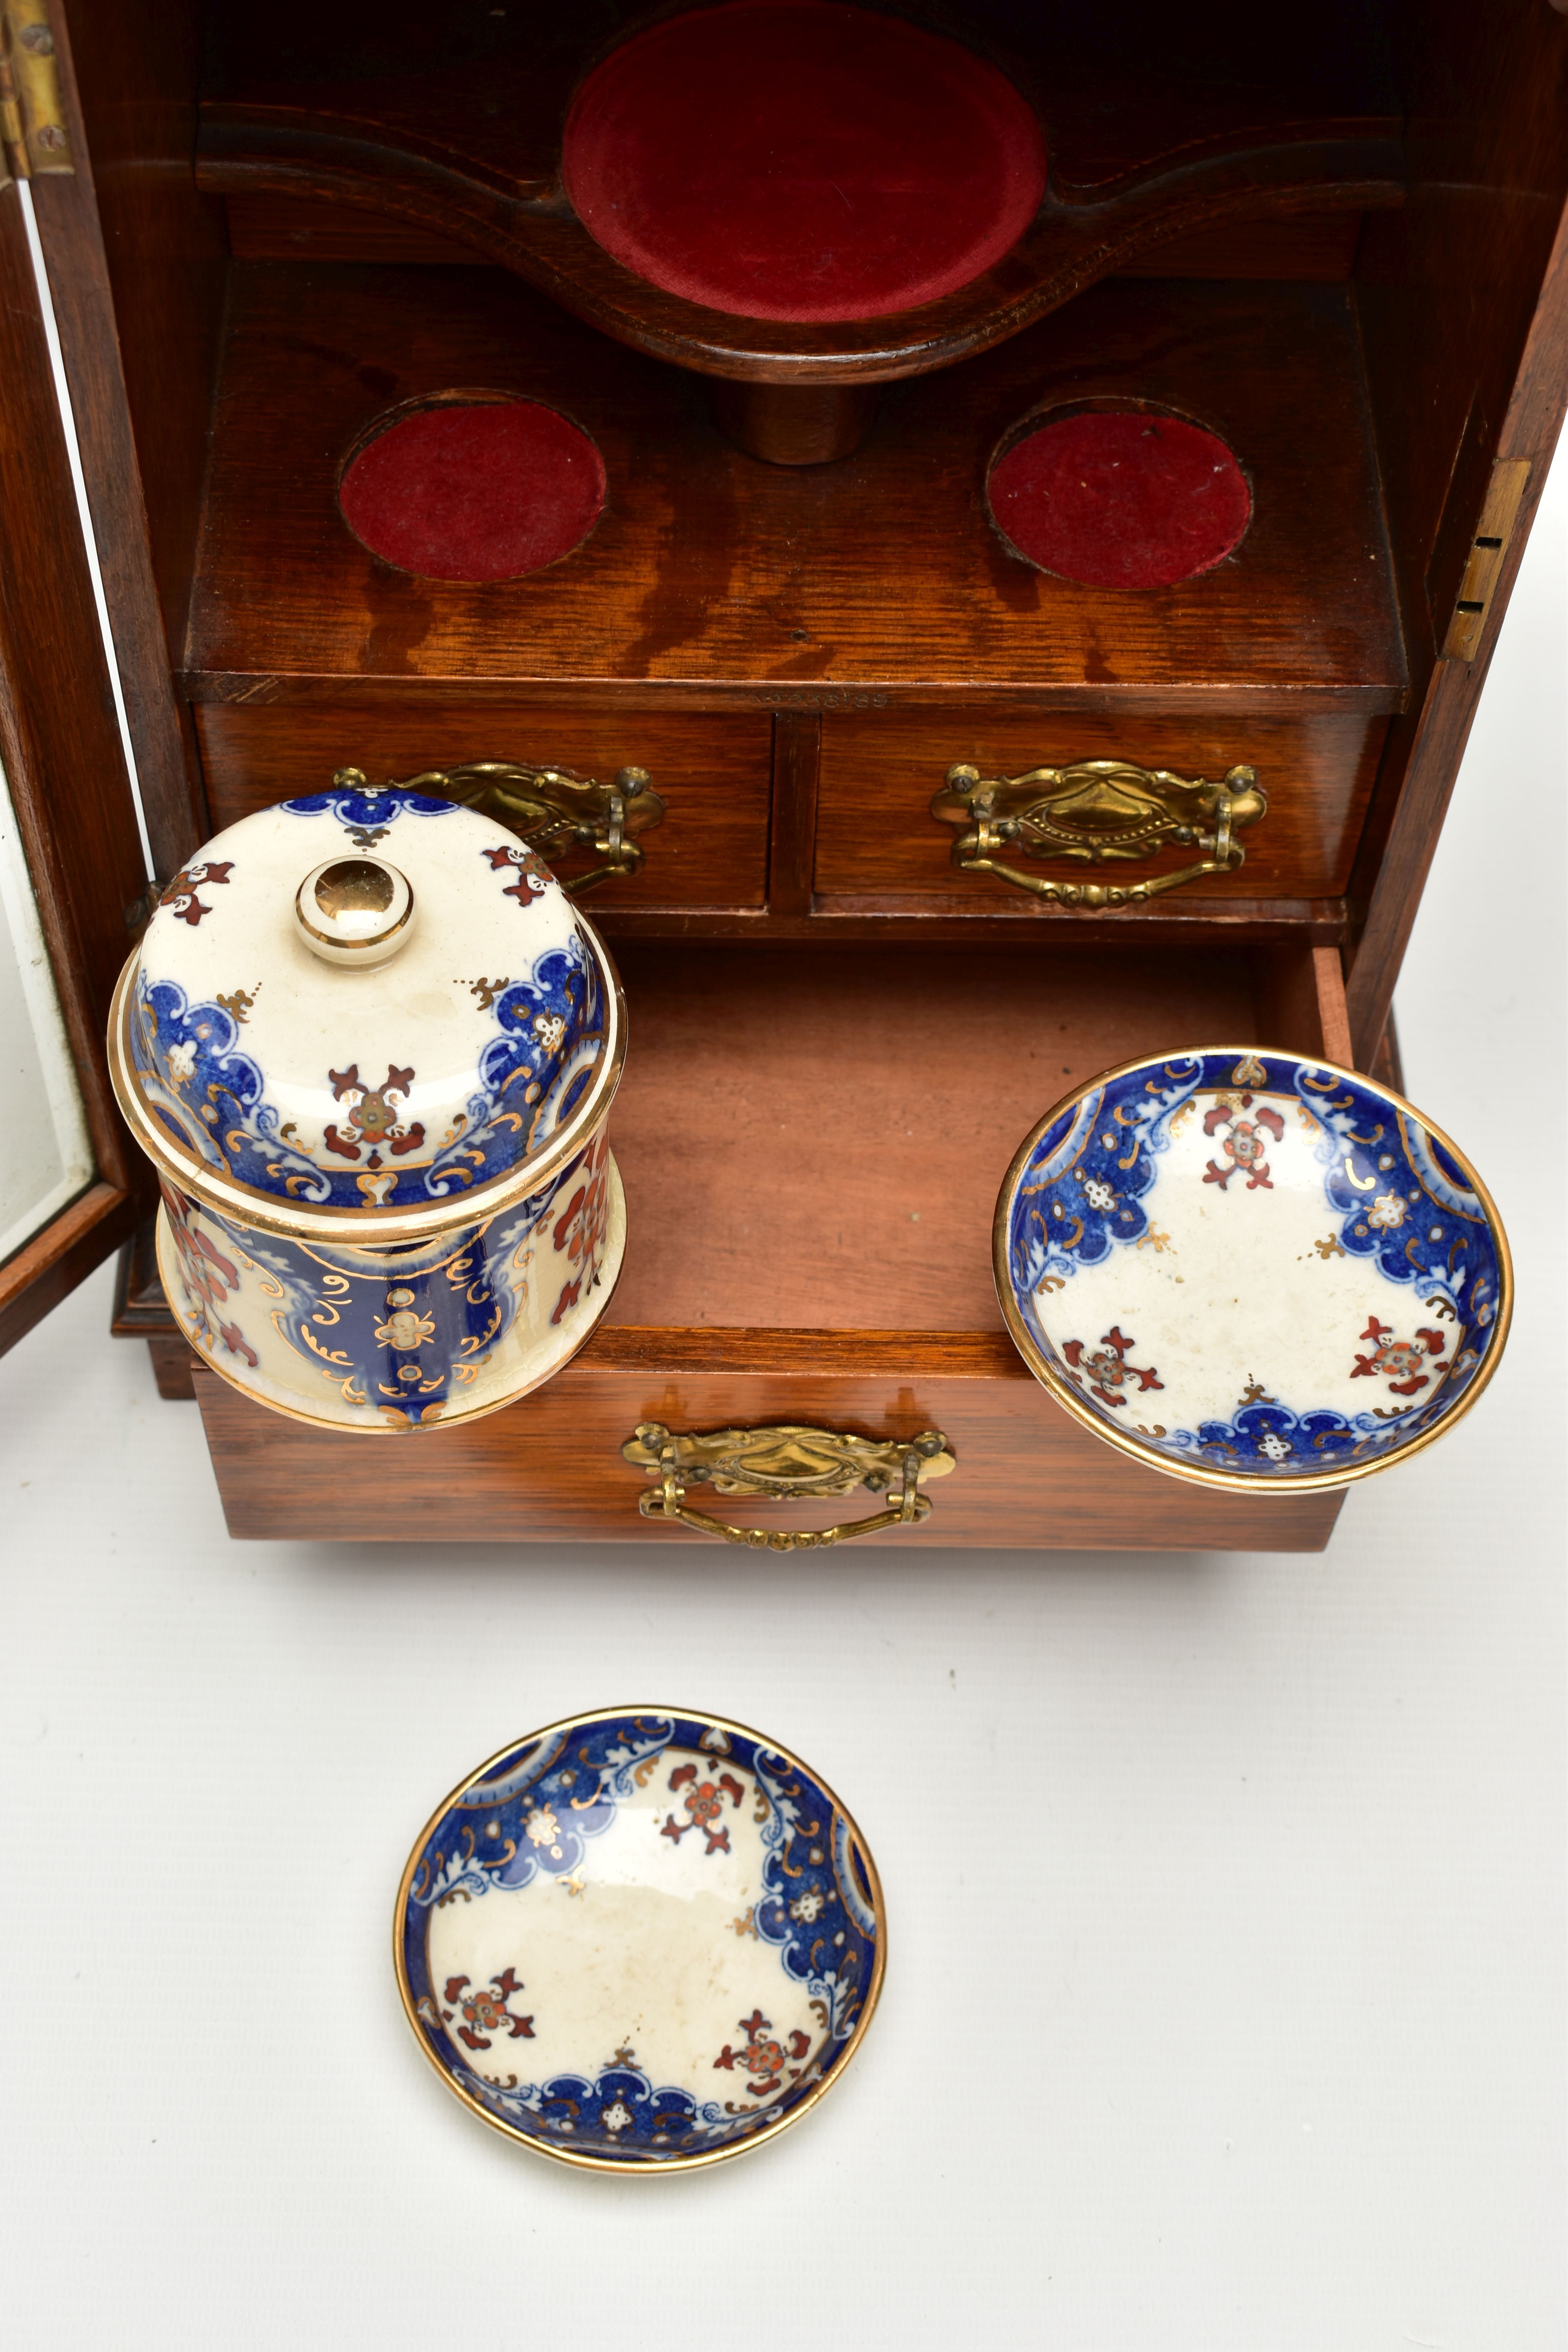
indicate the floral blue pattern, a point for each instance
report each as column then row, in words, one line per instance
column 366, row 811
column 617, row 2110
column 1395, row 1199
column 210, row 1095
column 535, row 1813
column 400, row 1335
column 548, row 1776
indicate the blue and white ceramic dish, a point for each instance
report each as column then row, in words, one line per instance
column 641, row 1941
column 1252, row 1270
column 370, row 1045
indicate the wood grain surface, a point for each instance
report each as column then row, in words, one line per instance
column 1463, row 303
column 797, row 759
column 137, row 261
column 845, row 1118
column 879, row 769
column 549, row 1468
column 1313, row 247
column 720, row 577
column 298, row 228
column 712, row 770
column 1299, row 998
column 904, row 916
column 46, row 1269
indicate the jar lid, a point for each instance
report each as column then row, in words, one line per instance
column 365, row 1008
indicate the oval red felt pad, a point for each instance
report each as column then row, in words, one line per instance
column 1121, row 498
column 795, row 159
column 474, row 490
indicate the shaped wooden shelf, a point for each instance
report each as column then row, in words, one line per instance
column 1156, row 126
column 710, row 580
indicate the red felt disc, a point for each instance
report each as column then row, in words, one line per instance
column 797, row 158
column 474, row 490
column 1121, row 498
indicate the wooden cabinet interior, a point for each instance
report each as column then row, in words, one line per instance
column 1368, row 408
column 1340, row 250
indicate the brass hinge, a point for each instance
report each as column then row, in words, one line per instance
column 32, row 119
column 1488, row 549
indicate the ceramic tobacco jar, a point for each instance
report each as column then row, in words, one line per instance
column 370, row 1047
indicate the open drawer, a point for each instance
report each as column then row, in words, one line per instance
column 811, row 1148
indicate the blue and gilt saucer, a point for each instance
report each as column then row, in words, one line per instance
column 1252, row 1270
column 641, row 1941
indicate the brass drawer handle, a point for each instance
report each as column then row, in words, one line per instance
column 552, row 809
column 1093, row 811
column 786, row 1461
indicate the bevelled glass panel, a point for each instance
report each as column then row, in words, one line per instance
column 46, row 1158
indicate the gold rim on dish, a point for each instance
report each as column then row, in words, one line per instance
column 1201, row 1474
column 659, row 2165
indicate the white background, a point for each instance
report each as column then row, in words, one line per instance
column 1224, row 2008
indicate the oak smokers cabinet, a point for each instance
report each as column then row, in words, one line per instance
column 895, row 832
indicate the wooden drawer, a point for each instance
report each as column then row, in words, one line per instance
column 812, row 1148
column 712, row 770
column 551, row 1469
column 875, row 832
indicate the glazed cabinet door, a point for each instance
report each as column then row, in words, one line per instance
column 73, row 877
